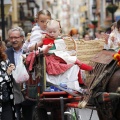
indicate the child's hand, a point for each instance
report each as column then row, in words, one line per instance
column 50, row 45
column 24, row 57
column 118, row 43
column 46, row 48
column 43, row 36
column 106, row 41
column 113, row 38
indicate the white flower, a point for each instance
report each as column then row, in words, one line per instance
column 2, row 63
column 0, row 109
column 6, row 77
column 10, row 85
column 1, row 97
column 11, row 96
column 1, row 79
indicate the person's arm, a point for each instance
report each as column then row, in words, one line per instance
column 36, row 37
column 25, row 46
column 108, row 45
column 45, row 48
column 35, row 46
column 107, row 42
column 119, row 44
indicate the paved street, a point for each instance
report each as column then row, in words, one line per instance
column 86, row 113
column 82, row 114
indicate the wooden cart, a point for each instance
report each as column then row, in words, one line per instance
column 46, row 102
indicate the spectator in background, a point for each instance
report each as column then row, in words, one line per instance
column 97, row 35
column 108, row 30
column 7, row 107
column 86, row 36
column 74, row 33
column 112, row 40
column 8, row 44
column 102, row 34
column 4, row 45
column 16, row 37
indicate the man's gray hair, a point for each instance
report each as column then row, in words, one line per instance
column 22, row 33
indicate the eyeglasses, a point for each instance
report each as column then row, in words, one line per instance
column 14, row 38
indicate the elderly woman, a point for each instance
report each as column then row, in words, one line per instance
column 6, row 87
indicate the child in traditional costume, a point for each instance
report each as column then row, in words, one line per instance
column 58, row 59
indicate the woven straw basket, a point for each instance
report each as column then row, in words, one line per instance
column 87, row 49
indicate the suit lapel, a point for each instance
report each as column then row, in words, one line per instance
column 10, row 54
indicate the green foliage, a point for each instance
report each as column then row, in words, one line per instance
column 112, row 8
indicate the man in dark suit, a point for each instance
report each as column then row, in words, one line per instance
column 16, row 38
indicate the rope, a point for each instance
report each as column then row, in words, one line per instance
column 76, row 114
column 91, row 114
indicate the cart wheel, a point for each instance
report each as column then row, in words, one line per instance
column 72, row 114
column 39, row 114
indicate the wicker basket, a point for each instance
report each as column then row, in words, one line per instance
column 87, row 49
column 71, row 44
